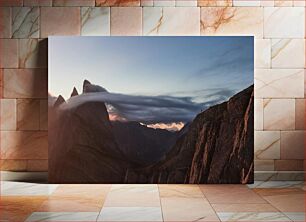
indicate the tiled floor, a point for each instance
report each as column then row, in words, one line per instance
column 268, row 201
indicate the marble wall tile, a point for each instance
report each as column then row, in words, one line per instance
column 288, row 53
column 274, row 83
column 23, row 52
column 278, row 179
column 284, row 22
column 24, row 145
column 289, row 165
column 120, row 25
column 292, row 145
column 211, row 3
column 33, row 53
column 171, row 21
column 95, row 21
column 279, row 114
column 73, row 2
column 13, row 165
column 299, row 3
column 5, row 3
column 267, row 145
column 248, row 3
column 37, row 165
column 25, row 22
column 304, row 82
column 5, row 22
column 262, row 53
column 8, row 53
column 51, row 17
column 25, row 83
column 300, row 114
column 37, row 2
column 283, row 3
column 263, row 165
column 232, row 21
column 186, row 3
column 163, row 3
column 28, row 114
column 146, row 3
column 267, row 3
column 118, row 3
column 1, row 83
column 43, row 114
column 8, row 114
column 258, row 117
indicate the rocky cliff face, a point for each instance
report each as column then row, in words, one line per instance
column 218, row 147
column 82, row 147
column 85, row 147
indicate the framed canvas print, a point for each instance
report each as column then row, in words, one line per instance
column 151, row 110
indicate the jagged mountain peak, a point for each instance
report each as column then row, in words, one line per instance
column 90, row 88
column 59, row 101
column 74, row 92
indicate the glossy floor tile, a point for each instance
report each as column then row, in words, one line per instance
column 229, row 207
column 63, row 216
column 151, row 202
column 187, row 209
column 251, row 216
column 296, row 216
column 130, row 214
column 18, row 208
column 71, row 204
column 277, row 184
column 86, row 190
column 230, row 194
column 9, row 188
column 174, row 190
column 267, row 192
column 143, row 195
column 284, row 199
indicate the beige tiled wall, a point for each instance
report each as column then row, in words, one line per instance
column 278, row 27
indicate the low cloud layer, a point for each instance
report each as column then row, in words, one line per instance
column 168, row 126
column 150, row 109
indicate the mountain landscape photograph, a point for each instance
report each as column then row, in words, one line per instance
column 165, row 110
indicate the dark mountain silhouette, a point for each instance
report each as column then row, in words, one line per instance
column 74, row 92
column 91, row 88
column 59, row 101
column 216, row 147
column 82, row 147
column 141, row 144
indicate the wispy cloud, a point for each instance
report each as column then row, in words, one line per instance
column 150, row 109
column 237, row 59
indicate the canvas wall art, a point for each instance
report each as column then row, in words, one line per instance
column 151, row 110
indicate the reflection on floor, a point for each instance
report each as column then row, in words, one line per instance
column 263, row 201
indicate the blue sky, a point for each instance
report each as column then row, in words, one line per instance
column 201, row 68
